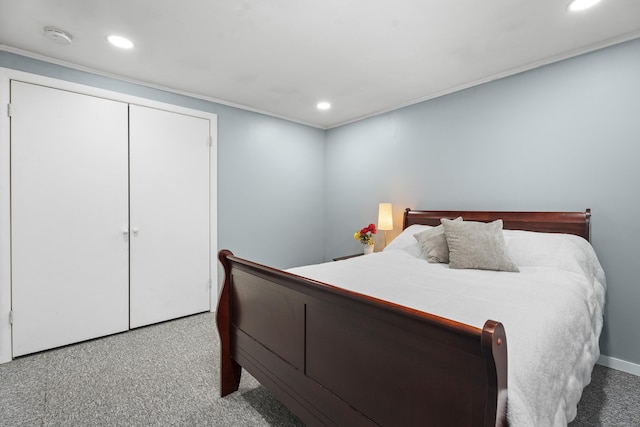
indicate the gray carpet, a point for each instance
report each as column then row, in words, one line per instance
column 611, row 400
column 161, row 375
column 167, row 375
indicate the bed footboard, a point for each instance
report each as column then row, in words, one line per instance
column 339, row 358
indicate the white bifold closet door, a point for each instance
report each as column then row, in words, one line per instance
column 169, row 215
column 69, row 208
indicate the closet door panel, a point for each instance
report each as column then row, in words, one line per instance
column 169, row 196
column 69, row 207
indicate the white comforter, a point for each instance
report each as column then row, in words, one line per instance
column 551, row 310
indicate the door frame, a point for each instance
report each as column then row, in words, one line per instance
column 6, row 75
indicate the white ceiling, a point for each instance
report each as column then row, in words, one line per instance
column 281, row 57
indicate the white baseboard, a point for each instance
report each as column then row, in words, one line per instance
column 620, row 365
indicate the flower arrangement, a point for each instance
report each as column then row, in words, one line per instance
column 365, row 236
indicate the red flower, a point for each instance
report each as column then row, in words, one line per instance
column 365, row 234
column 371, row 228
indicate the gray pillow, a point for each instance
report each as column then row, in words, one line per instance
column 477, row 245
column 434, row 244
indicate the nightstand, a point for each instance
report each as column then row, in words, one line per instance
column 347, row 257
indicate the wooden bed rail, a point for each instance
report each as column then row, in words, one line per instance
column 336, row 357
column 578, row 223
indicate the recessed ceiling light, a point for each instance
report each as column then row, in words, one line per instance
column 577, row 5
column 57, row 35
column 121, row 42
column 323, row 105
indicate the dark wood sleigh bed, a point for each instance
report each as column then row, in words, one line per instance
column 336, row 357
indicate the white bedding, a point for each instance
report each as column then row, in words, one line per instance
column 551, row 310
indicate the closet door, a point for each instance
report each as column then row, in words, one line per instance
column 69, row 208
column 169, row 202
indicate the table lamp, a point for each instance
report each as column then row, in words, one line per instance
column 385, row 219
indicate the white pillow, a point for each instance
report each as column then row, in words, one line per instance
column 406, row 242
column 537, row 249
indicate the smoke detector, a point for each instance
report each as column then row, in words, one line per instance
column 57, row 35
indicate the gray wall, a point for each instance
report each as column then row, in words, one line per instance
column 562, row 137
column 270, row 172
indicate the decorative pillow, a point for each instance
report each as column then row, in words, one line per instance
column 477, row 245
column 434, row 244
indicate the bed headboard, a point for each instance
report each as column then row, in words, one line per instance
column 577, row 223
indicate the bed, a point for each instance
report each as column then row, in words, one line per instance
column 391, row 339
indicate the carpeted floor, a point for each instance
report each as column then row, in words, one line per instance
column 161, row 375
column 611, row 400
column 167, row 375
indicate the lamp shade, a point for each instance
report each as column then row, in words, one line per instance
column 385, row 216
